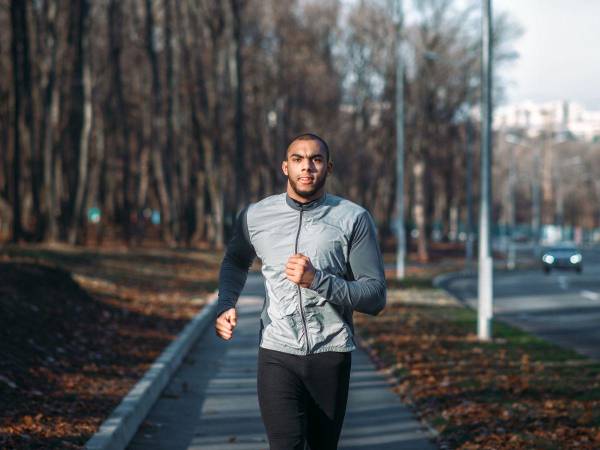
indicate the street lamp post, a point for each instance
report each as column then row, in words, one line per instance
column 485, row 278
column 400, row 229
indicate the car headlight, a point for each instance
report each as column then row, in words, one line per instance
column 548, row 259
column 575, row 259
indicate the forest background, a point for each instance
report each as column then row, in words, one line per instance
column 146, row 120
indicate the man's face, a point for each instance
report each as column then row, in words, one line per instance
column 306, row 168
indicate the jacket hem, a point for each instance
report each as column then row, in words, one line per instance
column 302, row 352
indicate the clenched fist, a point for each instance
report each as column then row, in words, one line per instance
column 300, row 270
column 225, row 324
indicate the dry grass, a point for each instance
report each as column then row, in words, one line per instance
column 516, row 392
column 79, row 327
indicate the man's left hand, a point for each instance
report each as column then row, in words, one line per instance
column 300, row 270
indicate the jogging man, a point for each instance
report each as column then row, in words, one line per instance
column 321, row 261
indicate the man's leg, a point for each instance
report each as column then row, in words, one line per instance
column 282, row 399
column 327, row 380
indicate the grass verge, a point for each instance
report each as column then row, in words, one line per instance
column 79, row 327
column 514, row 392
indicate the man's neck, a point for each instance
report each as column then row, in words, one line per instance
column 305, row 200
column 304, row 204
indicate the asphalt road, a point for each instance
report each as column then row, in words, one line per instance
column 562, row 307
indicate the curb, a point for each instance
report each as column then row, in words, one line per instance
column 120, row 427
column 440, row 280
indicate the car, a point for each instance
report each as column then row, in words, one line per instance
column 562, row 257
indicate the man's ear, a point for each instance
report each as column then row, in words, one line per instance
column 284, row 168
column 329, row 166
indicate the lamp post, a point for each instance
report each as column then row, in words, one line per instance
column 485, row 278
column 400, row 229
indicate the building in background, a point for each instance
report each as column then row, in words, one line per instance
column 558, row 117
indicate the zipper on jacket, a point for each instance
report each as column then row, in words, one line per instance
column 299, row 290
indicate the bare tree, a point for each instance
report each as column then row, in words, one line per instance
column 86, row 125
column 238, row 87
column 22, row 101
column 182, row 110
column 156, row 154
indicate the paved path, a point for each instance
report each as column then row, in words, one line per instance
column 211, row 402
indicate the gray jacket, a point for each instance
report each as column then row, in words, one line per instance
column 340, row 239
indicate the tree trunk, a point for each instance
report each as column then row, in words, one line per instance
column 50, row 122
column 104, row 195
column 20, row 54
column 77, row 219
column 457, row 182
column 156, row 157
column 71, row 151
column 195, row 157
column 142, row 188
column 548, row 209
column 199, row 207
column 119, row 123
column 172, row 150
column 216, row 195
column 30, row 134
column 241, row 187
column 212, row 138
column 210, row 120
column 95, row 169
column 419, row 208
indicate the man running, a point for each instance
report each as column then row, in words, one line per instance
column 321, row 261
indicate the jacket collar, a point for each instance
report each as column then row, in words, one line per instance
column 308, row 206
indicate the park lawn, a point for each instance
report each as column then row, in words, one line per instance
column 515, row 392
column 79, row 327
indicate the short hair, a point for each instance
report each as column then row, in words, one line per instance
column 308, row 137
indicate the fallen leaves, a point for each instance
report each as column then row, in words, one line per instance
column 516, row 392
column 69, row 351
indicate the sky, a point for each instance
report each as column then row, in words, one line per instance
column 559, row 51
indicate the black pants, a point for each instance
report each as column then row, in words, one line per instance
column 303, row 398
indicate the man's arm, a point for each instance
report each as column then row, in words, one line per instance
column 234, row 268
column 366, row 292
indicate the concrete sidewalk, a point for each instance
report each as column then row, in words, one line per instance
column 211, row 402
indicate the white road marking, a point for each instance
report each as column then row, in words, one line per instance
column 563, row 282
column 590, row 295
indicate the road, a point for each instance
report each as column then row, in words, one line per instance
column 562, row 307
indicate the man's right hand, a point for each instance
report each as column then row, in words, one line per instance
column 225, row 324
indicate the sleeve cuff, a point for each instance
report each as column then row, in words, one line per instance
column 223, row 306
column 316, row 281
